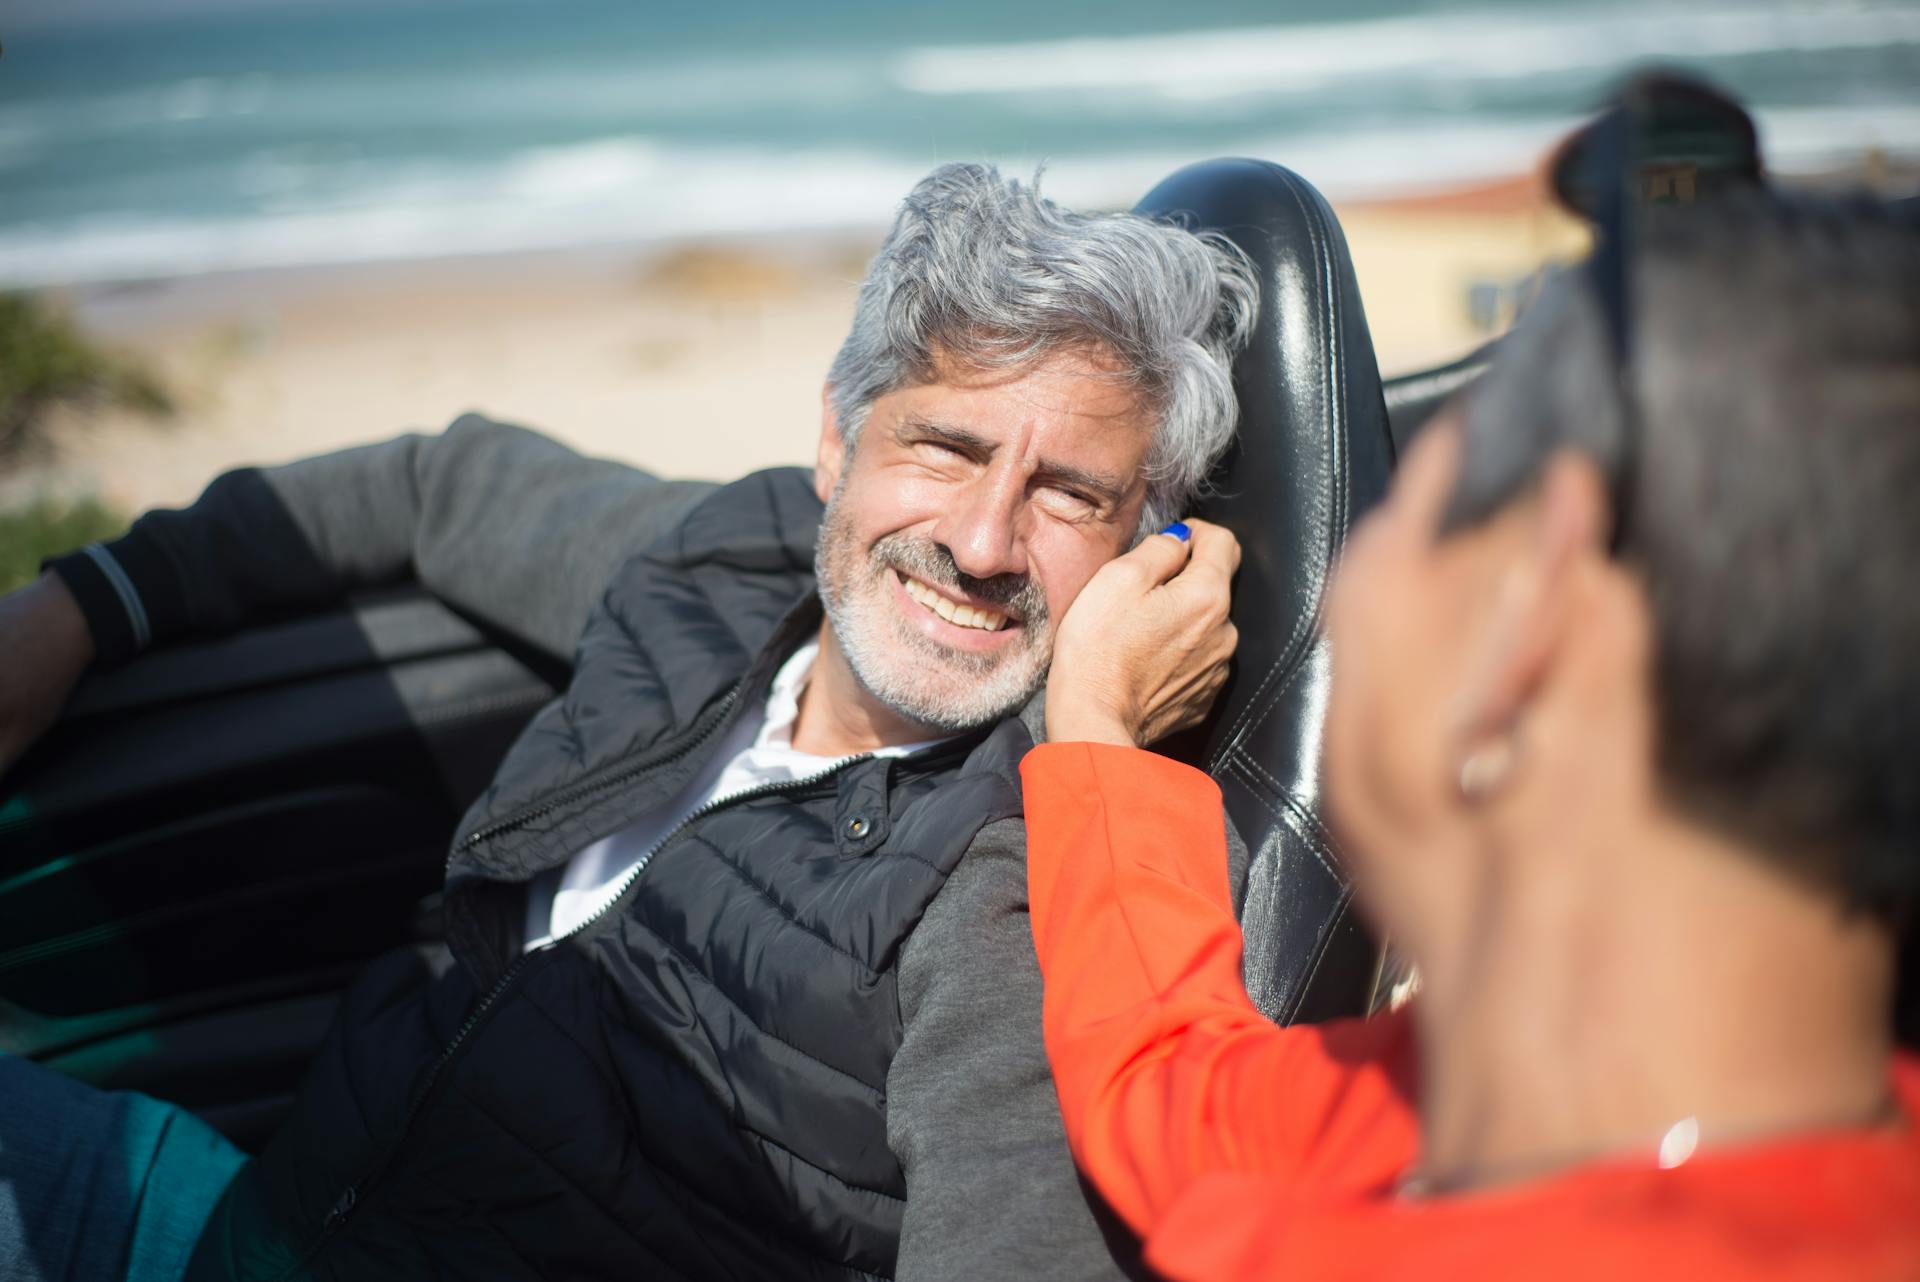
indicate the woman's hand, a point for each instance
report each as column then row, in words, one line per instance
column 1143, row 650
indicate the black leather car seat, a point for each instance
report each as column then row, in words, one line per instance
column 1413, row 400
column 1314, row 452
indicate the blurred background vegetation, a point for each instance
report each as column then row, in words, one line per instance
column 47, row 527
column 52, row 378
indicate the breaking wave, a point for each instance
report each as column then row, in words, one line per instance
column 629, row 189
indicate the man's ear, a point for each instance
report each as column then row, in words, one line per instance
column 833, row 450
column 1564, row 530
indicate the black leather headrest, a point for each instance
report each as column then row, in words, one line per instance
column 1313, row 453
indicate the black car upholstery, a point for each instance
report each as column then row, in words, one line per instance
column 1314, row 452
column 1413, row 399
column 219, row 834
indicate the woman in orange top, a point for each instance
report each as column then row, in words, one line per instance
column 1647, row 824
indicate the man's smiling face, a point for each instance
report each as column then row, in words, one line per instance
column 964, row 522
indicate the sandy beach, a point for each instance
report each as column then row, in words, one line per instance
column 698, row 358
column 734, row 176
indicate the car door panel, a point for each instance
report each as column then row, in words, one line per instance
column 218, row 835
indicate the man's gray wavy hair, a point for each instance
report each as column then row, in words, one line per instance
column 985, row 269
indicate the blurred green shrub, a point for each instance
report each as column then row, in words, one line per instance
column 47, row 527
column 48, row 364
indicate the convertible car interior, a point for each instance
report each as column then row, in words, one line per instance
column 219, row 834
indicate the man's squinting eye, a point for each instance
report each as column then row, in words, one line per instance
column 1066, row 502
column 943, row 449
column 1061, row 499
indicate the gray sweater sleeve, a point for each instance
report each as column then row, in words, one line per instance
column 991, row 1188
column 507, row 525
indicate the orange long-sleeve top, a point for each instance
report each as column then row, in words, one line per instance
column 1242, row 1150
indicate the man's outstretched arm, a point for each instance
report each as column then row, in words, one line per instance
column 501, row 522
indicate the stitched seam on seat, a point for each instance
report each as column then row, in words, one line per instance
column 1235, row 751
column 1323, row 940
column 1235, row 765
column 1293, row 806
column 1246, row 762
column 1336, row 436
column 1322, row 946
column 1257, row 711
column 1289, row 655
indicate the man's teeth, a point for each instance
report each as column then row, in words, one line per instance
column 967, row 616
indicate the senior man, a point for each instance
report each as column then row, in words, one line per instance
column 738, row 980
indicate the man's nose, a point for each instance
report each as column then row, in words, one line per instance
column 983, row 526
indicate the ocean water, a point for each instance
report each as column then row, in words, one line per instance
column 181, row 136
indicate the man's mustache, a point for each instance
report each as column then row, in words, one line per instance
column 922, row 558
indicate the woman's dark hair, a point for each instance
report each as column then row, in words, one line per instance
column 1774, row 512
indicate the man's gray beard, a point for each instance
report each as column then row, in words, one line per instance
column 944, row 689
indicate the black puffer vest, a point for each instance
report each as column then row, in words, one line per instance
column 693, row 1085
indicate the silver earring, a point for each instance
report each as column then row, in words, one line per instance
column 1486, row 768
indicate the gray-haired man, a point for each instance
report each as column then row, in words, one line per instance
column 739, row 982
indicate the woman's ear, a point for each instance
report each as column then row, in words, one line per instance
column 1562, row 528
column 832, row 455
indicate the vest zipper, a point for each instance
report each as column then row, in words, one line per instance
column 350, row 1196
column 718, row 803
column 566, row 796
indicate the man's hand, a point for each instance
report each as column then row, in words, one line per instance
column 1144, row 648
column 44, row 647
